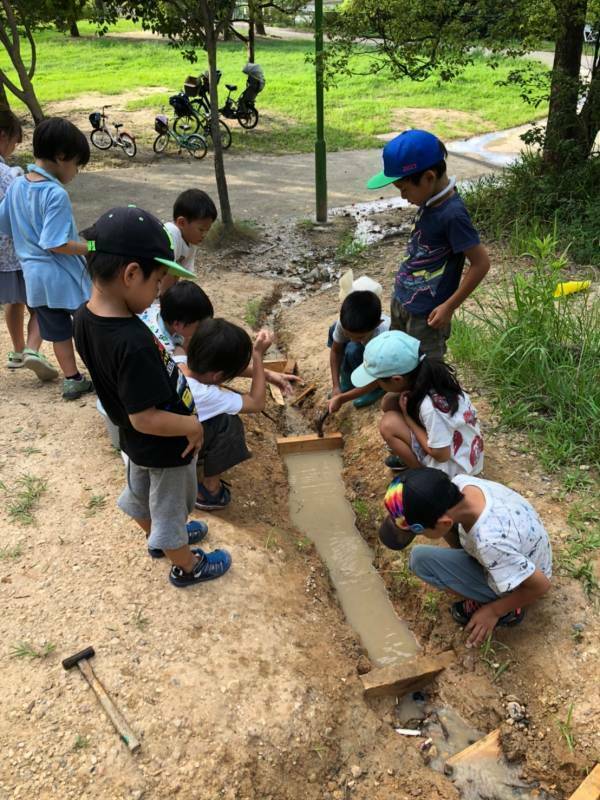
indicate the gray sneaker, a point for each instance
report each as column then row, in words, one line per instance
column 73, row 389
column 39, row 364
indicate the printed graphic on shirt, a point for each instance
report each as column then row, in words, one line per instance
column 183, row 390
column 423, row 268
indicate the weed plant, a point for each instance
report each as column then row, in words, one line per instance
column 26, row 497
column 526, row 200
column 539, row 357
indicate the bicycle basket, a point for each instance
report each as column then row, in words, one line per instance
column 181, row 104
column 190, row 87
column 161, row 124
column 95, row 120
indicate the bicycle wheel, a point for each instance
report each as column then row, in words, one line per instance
column 160, row 142
column 225, row 133
column 249, row 120
column 128, row 145
column 196, row 145
column 101, row 139
column 191, row 122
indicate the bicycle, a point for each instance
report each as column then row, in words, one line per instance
column 103, row 139
column 192, row 142
column 242, row 109
column 193, row 115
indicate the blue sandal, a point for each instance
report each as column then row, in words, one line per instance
column 213, row 502
column 196, row 531
column 210, row 566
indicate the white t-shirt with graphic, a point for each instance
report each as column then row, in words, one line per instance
column 152, row 318
column 212, row 400
column 459, row 431
column 185, row 254
column 340, row 337
column 508, row 539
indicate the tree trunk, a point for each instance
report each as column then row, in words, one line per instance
column 211, row 52
column 251, row 44
column 562, row 134
column 10, row 36
column 260, row 21
column 589, row 116
column 73, row 29
column 4, row 104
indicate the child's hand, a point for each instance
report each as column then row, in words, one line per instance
column 335, row 403
column 195, row 437
column 263, row 341
column 481, row 624
column 283, row 381
column 403, row 402
column 440, row 316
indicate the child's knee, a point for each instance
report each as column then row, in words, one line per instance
column 388, row 425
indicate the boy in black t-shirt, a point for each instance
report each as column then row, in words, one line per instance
column 142, row 390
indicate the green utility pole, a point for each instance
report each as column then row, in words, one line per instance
column 320, row 146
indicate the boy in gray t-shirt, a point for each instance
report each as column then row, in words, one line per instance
column 499, row 559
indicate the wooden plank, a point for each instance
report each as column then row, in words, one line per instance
column 590, row 788
column 303, row 395
column 310, row 443
column 276, row 366
column 276, row 394
column 488, row 747
column 405, row 677
column 291, row 368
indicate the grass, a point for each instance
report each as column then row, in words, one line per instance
column 488, row 653
column 94, row 504
column 349, row 247
column 253, row 311
column 356, row 111
column 29, row 489
column 361, row 509
column 431, row 605
column 81, row 742
column 26, row 650
column 538, row 357
column 140, row 621
column 566, row 730
column 11, row 553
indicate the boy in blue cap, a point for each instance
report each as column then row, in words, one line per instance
column 428, row 287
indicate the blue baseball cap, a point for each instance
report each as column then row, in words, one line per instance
column 410, row 152
column 390, row 353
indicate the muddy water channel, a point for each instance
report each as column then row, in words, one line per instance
column 318, row 508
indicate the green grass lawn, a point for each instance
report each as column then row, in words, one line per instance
column 356, row 110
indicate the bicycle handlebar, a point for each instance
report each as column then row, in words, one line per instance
column 103, row 107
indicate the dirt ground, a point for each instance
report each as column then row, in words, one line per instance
column 247, row 688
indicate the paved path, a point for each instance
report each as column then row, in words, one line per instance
column 262, row 188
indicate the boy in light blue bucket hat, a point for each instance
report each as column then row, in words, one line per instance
column 429, row 284
column 428, row 420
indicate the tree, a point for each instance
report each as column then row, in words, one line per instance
column 188, row 24
column 15, row 36
column 419, row 38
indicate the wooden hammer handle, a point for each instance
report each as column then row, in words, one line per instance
column 115, row 716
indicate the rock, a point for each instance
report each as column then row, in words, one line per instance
column 356, row 771
column 363, row 665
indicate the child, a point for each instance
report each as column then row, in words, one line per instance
column 428, row 420
column 193, row 215
column 220, row 351
column 428, row 287
column 360, row 321
column 12, row 286
column 142, row 390
column 499, row 560
column 181, row 309
column 36, row 213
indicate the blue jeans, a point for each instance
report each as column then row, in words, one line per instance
column 450, row 568
column 353, row 358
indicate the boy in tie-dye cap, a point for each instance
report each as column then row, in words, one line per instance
column 499, row 559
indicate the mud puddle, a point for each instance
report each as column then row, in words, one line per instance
column 319, row 509
column 444, row 733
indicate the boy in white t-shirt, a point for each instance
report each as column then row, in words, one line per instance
column 218, row 352
column 499, row 559
column 193, row 215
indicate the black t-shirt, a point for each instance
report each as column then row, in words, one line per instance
column 132, row 372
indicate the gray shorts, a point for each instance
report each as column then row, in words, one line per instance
column 433, row 340
column 224, row 445
column 164, row 496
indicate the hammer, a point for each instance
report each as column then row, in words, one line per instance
column 81, row 659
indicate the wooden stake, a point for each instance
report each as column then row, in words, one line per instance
column 488, row 747
column 407, row 676
column 276, row 366
column 303, row 395
column 276, row 394
column 310, row 443
column 291, row 368
column 590, row 788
